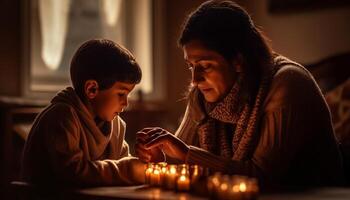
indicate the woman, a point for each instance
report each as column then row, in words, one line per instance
column 250, row 111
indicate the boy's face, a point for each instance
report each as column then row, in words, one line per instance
column 108, row 103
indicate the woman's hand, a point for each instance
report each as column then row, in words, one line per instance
column 158, row 138
column 145, row 154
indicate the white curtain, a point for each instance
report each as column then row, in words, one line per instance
column 111, row 11
column 53, row 15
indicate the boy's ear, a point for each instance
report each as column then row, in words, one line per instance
column 237, row 63
column 91, row 89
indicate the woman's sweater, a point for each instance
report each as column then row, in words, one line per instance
column 296, row 144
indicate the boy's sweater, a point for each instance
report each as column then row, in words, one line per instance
column 66, row 147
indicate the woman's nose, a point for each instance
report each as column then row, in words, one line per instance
column 197, row 76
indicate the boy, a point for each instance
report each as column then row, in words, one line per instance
column 78, row 139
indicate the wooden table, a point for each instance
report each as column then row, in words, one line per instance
column 21, row 190
column 146, row 193
column 133, row 192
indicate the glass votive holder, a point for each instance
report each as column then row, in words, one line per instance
column 222, row 191
column 155, row 176
column 170, row 177
column 213, row 184
column 196, row 172
column 148, row 172
column 183, row 182
column 163, row 170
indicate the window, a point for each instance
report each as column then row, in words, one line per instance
column 56, row 28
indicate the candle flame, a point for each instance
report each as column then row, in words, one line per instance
column 172, row 170
column 242, row 187
column 224, row 186
column 163, row 170
column 182, row 178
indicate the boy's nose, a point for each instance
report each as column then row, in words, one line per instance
column 125, row 102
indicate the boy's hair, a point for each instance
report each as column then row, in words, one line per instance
column 105, row 62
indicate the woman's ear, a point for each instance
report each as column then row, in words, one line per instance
column 237, row 62
column 91, row 89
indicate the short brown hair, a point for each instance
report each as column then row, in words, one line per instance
column 104, row 61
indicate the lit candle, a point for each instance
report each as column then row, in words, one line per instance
column 213, row 184
column 155, row 176
column 163, row 171
column 196, row 173
column 148, row 173
column 223, row 187
column 170, row 177
column 183, row 183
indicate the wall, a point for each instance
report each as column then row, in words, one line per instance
column 10, row 50
column 306, row 36
column 178, row 76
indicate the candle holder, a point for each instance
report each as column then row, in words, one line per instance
column 148, row 172
column 171, row 177
column 183, row 179
column 155, row 176
column 232, row 187
column 163, row 171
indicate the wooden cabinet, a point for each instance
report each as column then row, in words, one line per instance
column 16, row 117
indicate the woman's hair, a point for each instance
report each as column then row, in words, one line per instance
column 104, row 61
column 225, row 27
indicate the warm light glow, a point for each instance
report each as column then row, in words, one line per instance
column 224, row 186
column 53, row 17
column 182, row 178
column 216, row 181
column 172, row 170
column 242, row 187
column 163, row 170
column 235, row 188
column 156, row 171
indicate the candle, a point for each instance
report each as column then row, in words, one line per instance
column 170, row 177
column 163, row 171
column 183, row 169
column 223, row 187
column 148, row 173
column 244, row 188
column 155, row 178
column 196, row 173
column 213, row 184
column 183, row 183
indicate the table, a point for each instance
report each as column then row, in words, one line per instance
column 133, row 192
column 145, row 193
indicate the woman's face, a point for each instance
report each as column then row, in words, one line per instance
column 211, row 72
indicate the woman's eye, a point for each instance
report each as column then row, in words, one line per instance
column 206, row 67
column 121, row 94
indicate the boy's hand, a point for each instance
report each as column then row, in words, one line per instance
column 147, row 155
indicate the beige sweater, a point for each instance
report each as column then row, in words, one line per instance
column 66, row 147
column 296, row 144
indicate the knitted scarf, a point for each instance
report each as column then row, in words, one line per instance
column 243, row 118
